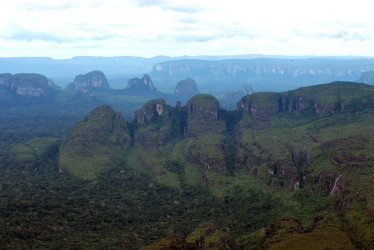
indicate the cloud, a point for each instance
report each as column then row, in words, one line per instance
column 187, row 20
column 176, row 6
column 51, row 5
column 29, row 35
column 345, row 35
column 194, row 38
column 26, row 34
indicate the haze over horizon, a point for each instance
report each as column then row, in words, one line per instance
column 146, row 28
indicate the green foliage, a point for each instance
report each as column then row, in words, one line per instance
column 326, row 233
column 206, row 236
column 34, row 151
column 93, row 143
column 176, row 241
column 262, row 99
column 205, row 101
column 151, row 181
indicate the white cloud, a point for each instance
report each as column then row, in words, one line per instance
column 68, row 28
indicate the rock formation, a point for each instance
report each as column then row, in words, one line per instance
column 152, row 109
column 203, row 107
column 144, row 84
column 367, row 77
column 261, row 104
column 207, row 149
column 94, row 79
column 319, row 99
column 186, row 87
column 26, row 84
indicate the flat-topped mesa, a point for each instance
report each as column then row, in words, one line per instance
column 151, row 110
column 318, row 99
column 26, row 84
column 186, row 87
column 93, row 79
column 203, row 107
column 261, row 104
column 144, row 84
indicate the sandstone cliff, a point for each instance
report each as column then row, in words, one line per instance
column 144, row 84
column 26, row 84
column 94, row 79
column 151, row 110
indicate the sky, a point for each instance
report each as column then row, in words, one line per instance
column 146, row 28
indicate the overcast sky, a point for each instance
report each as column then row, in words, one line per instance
column 67, row 28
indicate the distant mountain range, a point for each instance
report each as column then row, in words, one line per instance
column 213, row 74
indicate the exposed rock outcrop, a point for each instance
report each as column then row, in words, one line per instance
column 94, row 79
column 6, row 80
column 26, row 84
column 144, row 84
column 151, row 110
column 208, row 147
column 261, row 104
column 367, row 77
column 52, row 85
column 319, row 99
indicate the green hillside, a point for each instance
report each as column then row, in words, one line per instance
column 290, row 170
column 93, row 143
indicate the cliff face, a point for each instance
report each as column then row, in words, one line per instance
column 206, row 132
column 6, row 80
column 94, row 79
column 257, row 68
column 151, row 110
column 319, row 99
column 261, row 104
column 367, row 77
column 154, row 125
column 144, row 84
column 26, row 84
column 202, row 132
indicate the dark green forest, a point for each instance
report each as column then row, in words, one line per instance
column 289, row 170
